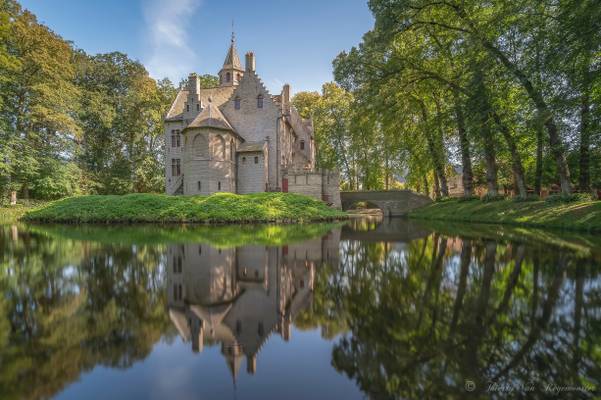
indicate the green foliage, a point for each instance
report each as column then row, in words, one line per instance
column 484, row 84
column 219, row 207
column 72, row 123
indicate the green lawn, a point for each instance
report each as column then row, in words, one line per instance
column 217, row 208
column 582, row 215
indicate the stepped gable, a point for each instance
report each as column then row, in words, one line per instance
column 262, row 88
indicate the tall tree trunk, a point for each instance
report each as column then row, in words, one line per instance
column 483, row 109
column 538, row 174
column 584, row 178
column 426, row 187
column 464, row 144
column 516, row 161
column 436, row 155
column 438, row 142
column 436, row 186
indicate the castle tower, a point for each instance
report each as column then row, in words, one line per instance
column 232, row 71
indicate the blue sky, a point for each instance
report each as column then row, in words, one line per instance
column 294, row 41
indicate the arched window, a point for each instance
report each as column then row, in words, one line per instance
column 219, row 148
column 228, row 76
column 200, row 146
column 237, row 103
column 260, row 101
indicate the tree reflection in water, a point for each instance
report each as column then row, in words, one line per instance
column 412, row 313
column 448, row 317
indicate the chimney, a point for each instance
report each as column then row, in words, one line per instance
column 250, row 61
column 286, row 99
column 193, row 84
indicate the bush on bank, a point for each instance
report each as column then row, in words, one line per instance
column 216, row 208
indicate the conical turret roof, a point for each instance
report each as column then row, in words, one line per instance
column 231, row 58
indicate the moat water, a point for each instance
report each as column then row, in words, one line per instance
column 367, row 309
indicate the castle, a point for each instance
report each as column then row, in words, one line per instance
column 238, row 138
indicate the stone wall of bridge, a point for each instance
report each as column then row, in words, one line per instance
column 392, row 202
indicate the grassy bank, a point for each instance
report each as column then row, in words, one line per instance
column 217, row 208
column 11, row 214
column 582, row 215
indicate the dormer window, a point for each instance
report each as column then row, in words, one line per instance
column 237, row 103
column 260, row 101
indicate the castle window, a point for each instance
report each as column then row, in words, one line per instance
column 199, row 186
column 239, row 77
column 199, row 250
column 198, row 107
column 260, row 101
column 228, row 77
column 218, row 185
column 174, row 138
column 237, row 103
column 187, row 107
column 232, row 150
column 302, row 145
column 175, row 167
column 219, row 148
column 243, row 159
column 256, row 159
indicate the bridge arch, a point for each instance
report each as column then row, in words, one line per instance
column 393, row 203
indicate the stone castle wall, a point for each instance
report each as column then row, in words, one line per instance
column 321, row 185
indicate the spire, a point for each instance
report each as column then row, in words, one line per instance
column 231, row 72
column 231, row 58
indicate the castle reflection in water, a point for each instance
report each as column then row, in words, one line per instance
column 240, row 296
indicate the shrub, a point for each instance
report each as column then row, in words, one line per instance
column 571, row 198
column 468, row 198
column 488, row 198
column 532, row 197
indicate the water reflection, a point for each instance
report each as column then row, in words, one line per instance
column 405, row 311
column 240, row 296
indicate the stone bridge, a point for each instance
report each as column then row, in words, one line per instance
column 393, row 203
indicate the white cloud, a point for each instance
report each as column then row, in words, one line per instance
column 169, row 54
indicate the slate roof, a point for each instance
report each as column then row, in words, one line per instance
column 250, row 147
column 210, row 117
column 216, row 95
